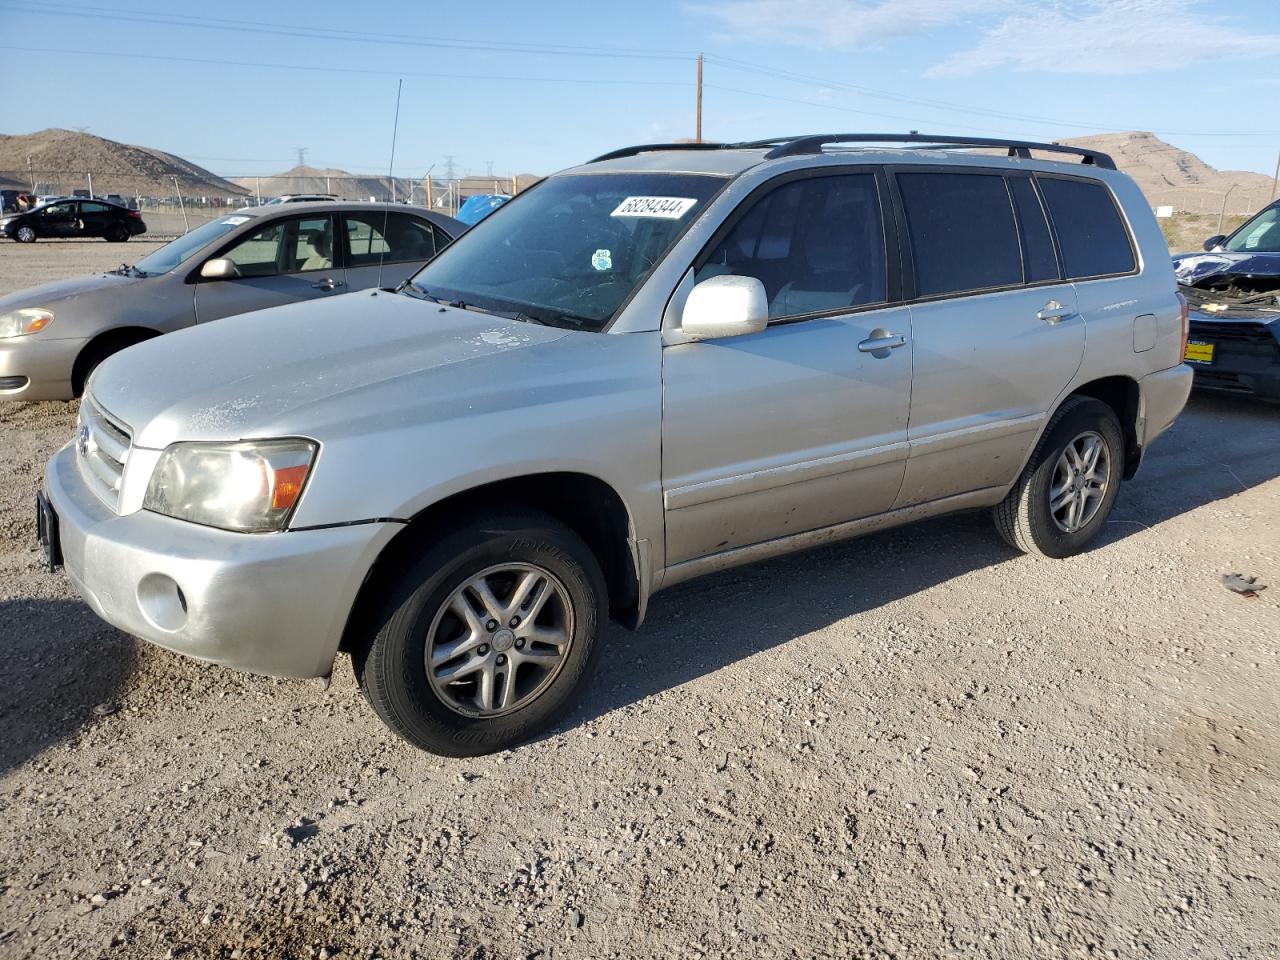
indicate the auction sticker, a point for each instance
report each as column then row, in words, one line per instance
column 659, row 208
column 236, row 221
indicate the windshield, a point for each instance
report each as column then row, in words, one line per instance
column 571, row 251
column 1259, row 235
column 180, row 250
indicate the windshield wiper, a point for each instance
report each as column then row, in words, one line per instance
column 411, row 289
column 127, row 270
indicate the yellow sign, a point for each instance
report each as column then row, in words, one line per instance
column 1199, row 352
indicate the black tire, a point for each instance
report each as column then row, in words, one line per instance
column 391, row 659
column 117, row 233
column 25, row 234
column 1024, row 518
column 95, row 353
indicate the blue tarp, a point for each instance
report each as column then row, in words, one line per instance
column 474, row 209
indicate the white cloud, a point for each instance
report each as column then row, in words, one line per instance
column 1047, row 36
column 840, row 24
column 1108, row 37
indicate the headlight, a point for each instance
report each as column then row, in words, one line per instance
column 250, row 487
column 5, row 221
column 19, row 323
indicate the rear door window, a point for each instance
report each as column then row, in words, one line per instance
column 817, row 245
column 1091, row 235
column 962, row 232
column 397, row 237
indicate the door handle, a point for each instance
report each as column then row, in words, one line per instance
column 328, row 284
column 883, row 340
column 1053, row 313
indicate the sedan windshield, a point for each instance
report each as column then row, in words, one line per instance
column 1259, row 235
column 571, row 251
column 185, row 247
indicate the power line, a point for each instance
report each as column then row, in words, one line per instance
column 353, row 70
column 947, row 105
column 307, row 31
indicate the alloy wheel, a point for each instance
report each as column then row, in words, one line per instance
column 499, row 640
column 1081, row 478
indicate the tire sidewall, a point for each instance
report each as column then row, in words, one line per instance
column 1052, row 541
column 25, row 235
column 418, row 713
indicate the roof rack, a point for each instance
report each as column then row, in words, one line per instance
column 797, row 146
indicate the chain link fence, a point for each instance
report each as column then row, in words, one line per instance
column 172, row 206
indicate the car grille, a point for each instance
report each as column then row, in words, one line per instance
column 102, row 448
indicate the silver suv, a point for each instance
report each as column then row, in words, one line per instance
column 656, row 365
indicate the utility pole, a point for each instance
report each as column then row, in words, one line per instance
column 1223, row 211
column 698, row 133
column 302, row 155
column 31, row 175
column 488, row 165
column 1274, row 179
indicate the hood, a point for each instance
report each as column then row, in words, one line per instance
column 48, row 294
column 1201, row 269
column 319, row 369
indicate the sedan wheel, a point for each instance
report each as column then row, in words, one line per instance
column 25, row 235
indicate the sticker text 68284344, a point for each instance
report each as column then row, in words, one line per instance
column 661, row 208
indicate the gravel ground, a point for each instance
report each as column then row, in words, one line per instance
column 915, row 745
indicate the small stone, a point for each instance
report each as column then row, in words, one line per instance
column 105, row 709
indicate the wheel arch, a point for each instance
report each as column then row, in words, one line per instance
column 103, row 345
column 586, row 504
column 1123, row 395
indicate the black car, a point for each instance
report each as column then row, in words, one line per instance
column 1233, row 292
column 65, row 219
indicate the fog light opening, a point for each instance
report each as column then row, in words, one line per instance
column 162, row 602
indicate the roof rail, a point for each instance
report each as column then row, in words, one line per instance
column 651, row 147
column 1016, row 148
column 797, row 146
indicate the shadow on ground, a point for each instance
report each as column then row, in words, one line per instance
column 60, row 661
column 1221, row 446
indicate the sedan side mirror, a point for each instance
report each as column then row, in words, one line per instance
column 219, row 268
column 725, row 307
column 1215, row 241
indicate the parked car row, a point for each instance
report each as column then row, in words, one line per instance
column 662, row 363
column 242, row 262
column 73, row 219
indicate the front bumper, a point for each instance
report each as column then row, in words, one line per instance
column 1246, row 357
column 37, row 369
column 266, row 603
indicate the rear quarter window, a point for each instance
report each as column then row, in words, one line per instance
column 1092, row 237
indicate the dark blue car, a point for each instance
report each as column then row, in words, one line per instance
column 1233, row 291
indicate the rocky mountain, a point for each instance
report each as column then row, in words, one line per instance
column 1170, row 175
column 58, row 161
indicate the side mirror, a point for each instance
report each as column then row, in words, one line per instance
column 220, row 268
column 1215, row 241
column 725, row 307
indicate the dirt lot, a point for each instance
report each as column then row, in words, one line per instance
column 916, row 745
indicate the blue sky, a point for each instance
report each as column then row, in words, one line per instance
column 538, row 86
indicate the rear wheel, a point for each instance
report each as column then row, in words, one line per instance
column 25, row 234
column 1065, row 494
column 117, row 233
column 486, row 639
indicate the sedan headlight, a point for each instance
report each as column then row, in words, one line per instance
column 251, row 486
column 19, row 323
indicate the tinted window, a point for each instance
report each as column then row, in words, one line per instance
column 1091, row 235
column 408, row 238
column 1038, row 259
column 816, row 244
column 94, row 208
column 962, row 232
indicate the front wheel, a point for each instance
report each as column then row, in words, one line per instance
column 25, row 235
column 117, row 233
column 485, row 639
column 1065, row 494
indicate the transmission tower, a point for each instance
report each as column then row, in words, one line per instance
column 302, row 155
